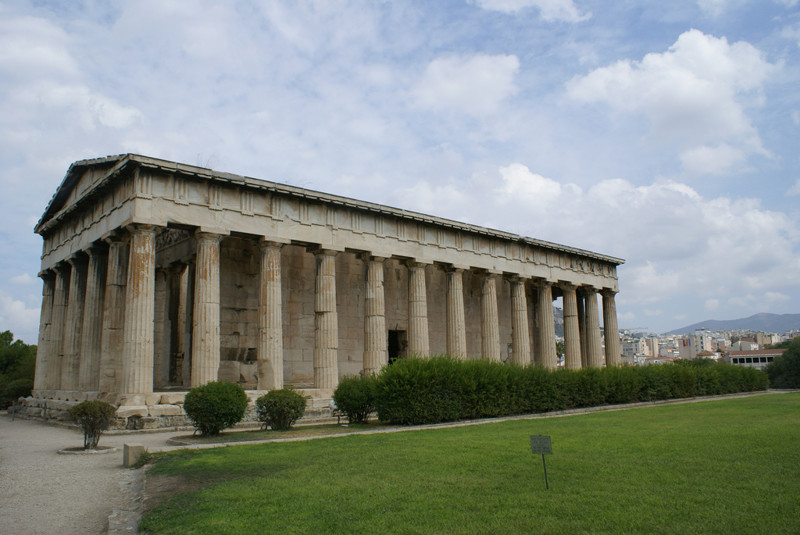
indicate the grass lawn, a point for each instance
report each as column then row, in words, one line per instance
column 729, row 466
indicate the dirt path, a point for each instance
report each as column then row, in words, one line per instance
column 46, row 493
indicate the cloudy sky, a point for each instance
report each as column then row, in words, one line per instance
column 665, row 133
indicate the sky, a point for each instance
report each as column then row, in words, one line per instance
column 664, row 133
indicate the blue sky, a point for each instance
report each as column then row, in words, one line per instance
column 665, row 133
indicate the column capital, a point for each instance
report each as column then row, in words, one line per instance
column 567, row 286
column 78, row 259
column 516, row 277
column 47, row 274
column 266, row 243
column 369, row 257
column 608, row 292
column 140, row 228
column 204, row 235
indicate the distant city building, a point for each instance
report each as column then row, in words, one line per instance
column 759, row 358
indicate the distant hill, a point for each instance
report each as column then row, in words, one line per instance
column 771, row 323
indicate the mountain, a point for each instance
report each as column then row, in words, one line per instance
column 770, row 323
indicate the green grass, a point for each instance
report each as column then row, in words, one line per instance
column 729, row 466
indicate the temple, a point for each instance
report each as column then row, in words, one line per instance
column 160, row 276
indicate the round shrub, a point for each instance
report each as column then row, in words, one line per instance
column 280, row 409
column 94, row 417
column 215, row 406
column 355, row 396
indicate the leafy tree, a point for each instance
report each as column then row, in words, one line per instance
column 94, row 417
column 17, row 364
column 784, row 371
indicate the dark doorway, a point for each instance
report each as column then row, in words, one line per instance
column 398, row 342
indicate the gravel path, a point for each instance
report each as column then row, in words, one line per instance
column 44, row 492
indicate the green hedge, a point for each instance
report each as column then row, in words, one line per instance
column 355, row 396
column 215, row 406
column 441, row 389
column 280, row 409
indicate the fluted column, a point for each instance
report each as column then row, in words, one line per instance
column 594, row 352
column 137, row 349
column 456, row 324
column 490, row 323
column 270, row 318
column 205, row 326
column 611, row 331
column 161, row 329
column 520, row 337
column 418, row 339
column 326, row 331
column 572, row 333
column 73, row 323
column 375, row 342
column 92, row 330
column 60, row 296
column 44, row 349
column 582, row 327
column 545, row 327
column 114, row 315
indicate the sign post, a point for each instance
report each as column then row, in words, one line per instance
column 540, row 444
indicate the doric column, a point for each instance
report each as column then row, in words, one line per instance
column 326, row 326
column 418, row 340
column 582, row 327
column 44, row 349
column 137, row 349
column 456, row 325
column 611, row 332
column 161, row 329
column 572, row 333
column 520, row 337
column 92, row 330
column 205, row 326
column 114, row 315
column 70, row 366
column 594, row 352
column 545, row 327
column 60, row 296
column 270, row 318
column 375, row 342
column 490, row 323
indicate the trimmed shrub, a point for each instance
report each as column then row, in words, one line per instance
column 784, row 371
column 94, row 417
column 280, row 409
column 215, row 406
column 355, row 396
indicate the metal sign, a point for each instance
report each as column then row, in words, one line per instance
column 540, row 444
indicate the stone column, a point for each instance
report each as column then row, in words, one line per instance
column 114, row 315
column 375, row 342
column 92, row 330
column 270, row 318
column 205, row 326
column 44, row 349
column 456, row 324
column 161, row 329
column 70, row 366
column 418, row 339
column 545, row 327
column 594, row 352
column 326, row 325
column 60, row 296
column 490, row 323
column 611, row 332
column 572, row 333
column 137, row 349
column 582, row 327
column 520, row 337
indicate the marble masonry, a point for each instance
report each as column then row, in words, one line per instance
column 160, row 276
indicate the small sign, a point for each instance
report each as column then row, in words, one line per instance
column 540, row 444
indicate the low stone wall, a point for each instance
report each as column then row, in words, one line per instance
column 159, row 410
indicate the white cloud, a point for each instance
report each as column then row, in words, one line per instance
column 475, row 85
column 695, row 96
column 16, row 317
column 550, row 10
column 22, row 279
column 794, row 190
column 712, row 304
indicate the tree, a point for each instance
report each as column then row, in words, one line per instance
column 17, row 365
column 784, row 371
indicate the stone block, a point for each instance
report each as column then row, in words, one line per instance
column 172, row 398
column 165, row 410
column 131, row 453
column 152, row 398
column 126, row 411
